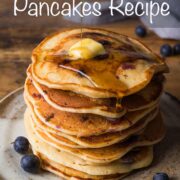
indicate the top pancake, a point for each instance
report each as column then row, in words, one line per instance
column 127, row 68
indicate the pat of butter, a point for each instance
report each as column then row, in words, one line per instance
column 86, row 49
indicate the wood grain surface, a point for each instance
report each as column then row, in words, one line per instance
column 19, row 35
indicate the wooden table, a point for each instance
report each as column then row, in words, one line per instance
column 17, row 39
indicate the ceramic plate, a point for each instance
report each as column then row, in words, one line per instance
column 167, row 153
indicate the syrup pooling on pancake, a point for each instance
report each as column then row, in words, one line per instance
column 126, row 67
column 103, row 70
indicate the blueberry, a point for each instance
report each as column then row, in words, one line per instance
column 166, row 50
column 140, row 31
column 176, row 49
column 30, row 163
column 161, row 176
column 21, row 145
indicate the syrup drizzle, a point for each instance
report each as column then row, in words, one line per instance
column 82, row 20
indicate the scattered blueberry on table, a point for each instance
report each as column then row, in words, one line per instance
column 166, row 50
column 30, row 163
column 140, row 31
column 21, row 145
column 176, row 49
column 161, row 176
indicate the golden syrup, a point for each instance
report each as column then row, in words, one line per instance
column 102, row 70
column 82, row 20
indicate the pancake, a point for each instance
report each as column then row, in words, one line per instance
column 147, row 97
column 81, row 125
column 127, row 67
column 60, row 170
column 69, row 160
column 108, row 154
column 101, row 140
column 109, row 107
column 69, row 173
column 92, row 141
column 72, row 102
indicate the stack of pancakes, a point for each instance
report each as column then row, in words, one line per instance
column 94, row 118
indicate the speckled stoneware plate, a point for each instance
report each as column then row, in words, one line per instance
column 167, row 153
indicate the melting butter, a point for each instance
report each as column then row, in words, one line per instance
column 86, row 49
